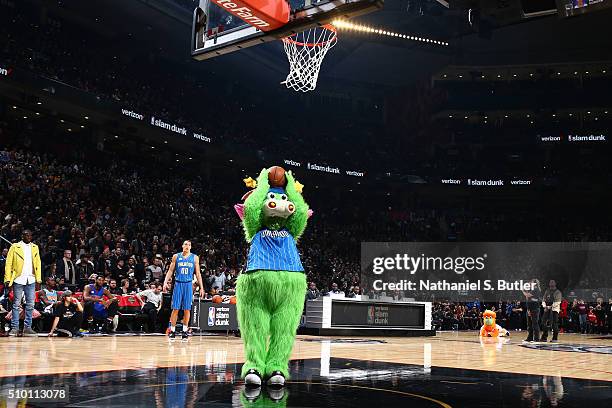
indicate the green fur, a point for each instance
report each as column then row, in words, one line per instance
column 253, row 206
column 270, row 303
column 296, row 224
column 269, row 307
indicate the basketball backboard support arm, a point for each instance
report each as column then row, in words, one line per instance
column 213, row 38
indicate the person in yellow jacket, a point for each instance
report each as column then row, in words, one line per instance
column 22, row 272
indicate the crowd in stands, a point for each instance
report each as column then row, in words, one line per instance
column 575, row 316
column 122, row 220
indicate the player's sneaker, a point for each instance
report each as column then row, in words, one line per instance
column 277, row 379
column 28, row 332
column 185, row 336
column 252, row 378
column 172, row 336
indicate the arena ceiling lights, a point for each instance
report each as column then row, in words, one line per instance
column 346, row 25
column 523, row 72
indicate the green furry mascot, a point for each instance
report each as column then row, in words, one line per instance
column 270, row 293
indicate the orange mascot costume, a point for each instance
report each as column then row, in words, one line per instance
column 490, row 328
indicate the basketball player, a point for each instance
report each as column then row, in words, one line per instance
column 185, row 263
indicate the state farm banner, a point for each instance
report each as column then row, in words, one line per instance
column 489, row 271
column 265, row 15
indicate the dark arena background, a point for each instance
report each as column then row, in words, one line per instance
column 455, row 157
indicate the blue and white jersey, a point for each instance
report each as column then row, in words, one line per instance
column 274, row 251
column 185, row 267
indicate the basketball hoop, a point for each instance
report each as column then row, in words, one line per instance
column 305, row 52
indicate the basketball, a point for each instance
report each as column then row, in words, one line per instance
column 276, row 176
column 233, row 300
column 217, row 299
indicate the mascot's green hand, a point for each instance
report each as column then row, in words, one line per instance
column 253, row 206
column 296, row 224
column 262, row 180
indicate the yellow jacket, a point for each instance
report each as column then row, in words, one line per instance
column 14, row 263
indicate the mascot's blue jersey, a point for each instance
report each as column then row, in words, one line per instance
column 274, row 251
column 185, row 266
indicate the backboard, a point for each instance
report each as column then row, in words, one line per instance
column 216, row 32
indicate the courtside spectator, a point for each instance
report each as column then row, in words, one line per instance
column 591, row 320
column 551, row 303
column 68, row 316
column 120, row 270
column 354, row 292
column 48, row 296
column 334, row 290
column 66, row 268
column 534, row 297
column 3, row 258
column 600, row 313
column 125, row 288
column 85, row 267
column 112, row 287
column 218, row 280
column 23, row 273
column 312, row 293
column 154, row 272
column 582, row 315
column 152, row 300
column 98, row 307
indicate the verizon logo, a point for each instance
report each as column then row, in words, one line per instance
column 244, row 13
column 450, row 181
column 292, row 163
column 354, row 173
column 201, row 137
column 132, row 114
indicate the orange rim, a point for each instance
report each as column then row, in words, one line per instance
column 327, row 27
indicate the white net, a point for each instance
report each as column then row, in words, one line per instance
column 305, row 52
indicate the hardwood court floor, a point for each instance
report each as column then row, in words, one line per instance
column 575, row 356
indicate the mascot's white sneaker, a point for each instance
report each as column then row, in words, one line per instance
column 253, row 378
column 252, row 393
column 276, row 394
column 277, row 379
